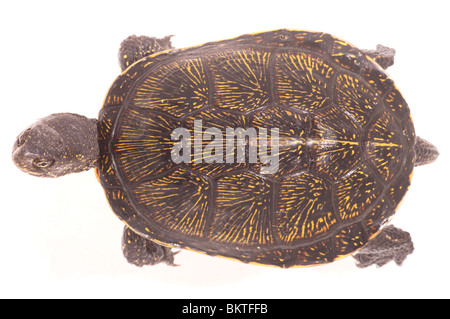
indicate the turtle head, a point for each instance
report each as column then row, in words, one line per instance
column 57, row 145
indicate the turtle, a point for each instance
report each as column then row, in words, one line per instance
column 342, row 150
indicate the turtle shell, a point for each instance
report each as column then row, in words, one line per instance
column 345, row 148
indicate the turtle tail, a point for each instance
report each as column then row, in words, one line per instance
column 426, row 152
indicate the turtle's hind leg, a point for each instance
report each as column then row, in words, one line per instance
column 391, row 243
column 140, row 251
column 135, row 48
column 383, row 55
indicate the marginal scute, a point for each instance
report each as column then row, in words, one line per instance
column 318, row 42
column 349, row 239
column 347, row 56
column 398, row 189
column 107, row 118
column 376, row 77
column 107, row 174
column 118, row 91
column 396, row 104
column 119, row 200
column 409, row 135
column 316, row 253
column 378, row 217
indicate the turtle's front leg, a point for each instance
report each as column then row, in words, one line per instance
column 140, row 251
column 391, row 243
column 135, row 48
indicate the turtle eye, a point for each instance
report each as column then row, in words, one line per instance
column 42, row 163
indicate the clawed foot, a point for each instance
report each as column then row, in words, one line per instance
column 140, row 251
column 391, row 243
column 135, row 48
column 383, row 55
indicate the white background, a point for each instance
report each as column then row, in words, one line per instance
column 59, row 238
